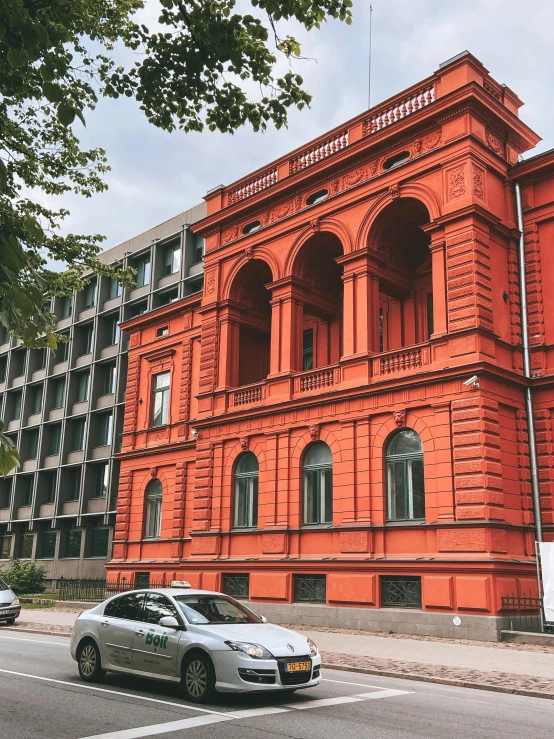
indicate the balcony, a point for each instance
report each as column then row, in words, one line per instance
column 248, row 395
column 402, row 361
column 316, row 380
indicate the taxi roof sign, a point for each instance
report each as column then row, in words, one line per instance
column 180, row 584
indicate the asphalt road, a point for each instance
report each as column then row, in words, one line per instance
column 42, row 696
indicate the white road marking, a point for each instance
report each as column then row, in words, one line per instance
column 186, row 723
column 344, row 682
column 153, row 729
column 383, row 693
column 117, row 692
column 248, row 712
column 36, row 641
column 322, row 702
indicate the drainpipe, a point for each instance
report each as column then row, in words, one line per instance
column 527, row 371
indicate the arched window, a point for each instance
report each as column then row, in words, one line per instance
column 405, row 489
column 317, row 471
column 246, row 491
column 153, row 510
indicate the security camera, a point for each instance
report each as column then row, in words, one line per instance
column 472, row 382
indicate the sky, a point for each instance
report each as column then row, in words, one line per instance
column 156, row 175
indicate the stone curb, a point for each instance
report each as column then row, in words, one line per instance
column 369, row 671
column 439, row 680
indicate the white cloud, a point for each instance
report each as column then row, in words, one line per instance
column 155, row 175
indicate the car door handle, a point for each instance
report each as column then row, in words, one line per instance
column 140, row 632
column 104, row 623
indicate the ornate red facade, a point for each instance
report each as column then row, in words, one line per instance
column 351, row 289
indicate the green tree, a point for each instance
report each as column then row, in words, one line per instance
column 24, row 577
column 56, row 60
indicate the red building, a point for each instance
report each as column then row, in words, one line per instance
column 340, row 417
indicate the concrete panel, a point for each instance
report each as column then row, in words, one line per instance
column 52, row 460
column 106, row 401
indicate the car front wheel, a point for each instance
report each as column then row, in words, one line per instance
column 88, row 661
column 198, row 678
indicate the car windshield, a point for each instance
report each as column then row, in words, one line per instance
column 3, row 585
column 214, row 609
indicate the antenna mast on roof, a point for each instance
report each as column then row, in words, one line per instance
column 369, row 65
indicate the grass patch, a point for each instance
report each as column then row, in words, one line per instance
column 49, row 596
column 27, row 606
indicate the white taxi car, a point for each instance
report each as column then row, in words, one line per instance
column 204, row 640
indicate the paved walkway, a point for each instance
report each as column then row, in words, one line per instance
column 487, row 658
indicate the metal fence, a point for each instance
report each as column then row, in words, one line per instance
column 91, row 590
column 526, row 613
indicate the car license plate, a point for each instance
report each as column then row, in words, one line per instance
column 5, row 613
column 297, row 666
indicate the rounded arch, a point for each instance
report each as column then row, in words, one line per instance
column 389, row 427
column 234, row 453
column 318, row 453
column 328, row 226
column 261, row 255
column 415, row 191
column 247, row 464
column 306, row 439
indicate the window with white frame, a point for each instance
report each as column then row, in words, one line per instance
column 317, row 473
column 405, row 483
column 160, row 399
column 153, row 520
column 246, row 491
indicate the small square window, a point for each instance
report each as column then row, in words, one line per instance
column 162, row 331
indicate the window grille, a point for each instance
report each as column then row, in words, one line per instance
column 310, row 588
column 237, row 585
column 400, row 592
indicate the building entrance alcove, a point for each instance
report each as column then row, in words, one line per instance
column 252, row 335
column 405, row 274
column 319, row 277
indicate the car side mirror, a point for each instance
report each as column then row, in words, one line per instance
column 170, row 622
column 264, row 619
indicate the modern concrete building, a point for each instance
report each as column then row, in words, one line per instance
column 64, row 409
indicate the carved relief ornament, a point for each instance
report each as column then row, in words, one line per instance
column 457, row 182
column 399, row 417
column 314, row 431
column 244, row 442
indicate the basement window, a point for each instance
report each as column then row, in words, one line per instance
column 317, row 197
column 250, row 228
column 162, row 331
column 396, row 160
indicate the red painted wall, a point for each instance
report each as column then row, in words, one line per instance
column 443, row 222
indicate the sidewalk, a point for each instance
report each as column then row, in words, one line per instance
column 514, row 668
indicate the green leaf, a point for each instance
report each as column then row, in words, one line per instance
column 17, row 58
column 53, row 93
column 33, row 228
column 66, row 114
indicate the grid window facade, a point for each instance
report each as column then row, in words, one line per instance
column 63, row 437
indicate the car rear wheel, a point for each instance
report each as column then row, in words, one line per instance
column 198, row 678
column 88, row 661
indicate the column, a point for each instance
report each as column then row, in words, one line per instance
column 440, row 313
column 287, row 315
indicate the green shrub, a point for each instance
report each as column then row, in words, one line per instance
column 24, row 577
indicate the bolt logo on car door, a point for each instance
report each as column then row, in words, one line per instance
column 156, row 639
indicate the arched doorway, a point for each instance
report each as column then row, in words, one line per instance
column 252, row 299
column 320, row 279
column 406, row 315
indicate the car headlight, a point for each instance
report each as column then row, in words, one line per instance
column 256, row 651
column 15, row 601
column 313, row 647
